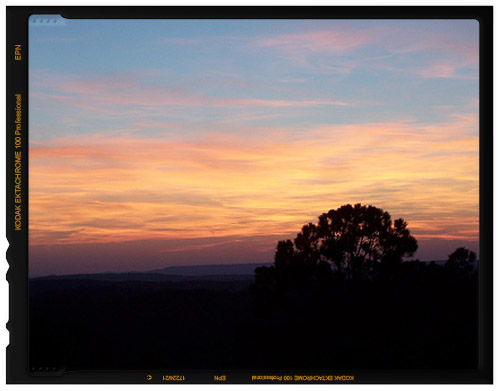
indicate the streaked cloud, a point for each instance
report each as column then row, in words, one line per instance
column 327, row 41
column 199, row 141
column 208, row 186
column 110, row 95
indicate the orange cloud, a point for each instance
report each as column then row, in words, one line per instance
column 86, row 189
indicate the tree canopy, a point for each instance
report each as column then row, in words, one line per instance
column 347, row 242
column 461, row 262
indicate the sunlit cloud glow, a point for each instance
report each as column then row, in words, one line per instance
column 217, row 144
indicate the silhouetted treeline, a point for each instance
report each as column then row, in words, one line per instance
column 345, row 294
column 355, row 243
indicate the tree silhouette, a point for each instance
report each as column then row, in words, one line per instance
column 348, row 242
column 342, row 286
column 461, row 262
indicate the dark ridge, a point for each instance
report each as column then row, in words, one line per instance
column 117, row 277
column 203, row 270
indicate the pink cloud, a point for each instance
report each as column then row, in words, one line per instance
column 449, row 55
column 122, row 91
column 286, row 103
column 438, row 71
column 317, row 41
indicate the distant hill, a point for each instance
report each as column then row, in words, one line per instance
column 210, row 270
column 214, row 273
column 235, row 277
column 148, row 276
column 232, row 272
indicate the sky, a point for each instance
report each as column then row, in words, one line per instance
column 182, row 142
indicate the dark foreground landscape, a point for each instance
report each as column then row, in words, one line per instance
column 423, row 319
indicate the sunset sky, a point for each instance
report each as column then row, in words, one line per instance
column 183, row 142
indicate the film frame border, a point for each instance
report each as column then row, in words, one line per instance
column 17, row 253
